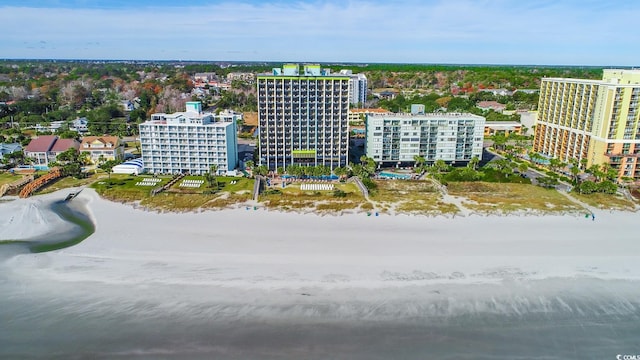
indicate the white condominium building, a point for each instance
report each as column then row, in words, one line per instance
column 357, row 87
column 303, row 117
column 397, row 138
column 188, row 142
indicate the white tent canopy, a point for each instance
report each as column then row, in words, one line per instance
column 134, row 166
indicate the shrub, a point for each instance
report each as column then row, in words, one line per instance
column 273, row 192
column 339, row 193
column 369, row 184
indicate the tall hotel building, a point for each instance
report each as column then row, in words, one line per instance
column 596, row 120
column 188, row 142
column 398, row 138
column 303, row 117
column 357, row 87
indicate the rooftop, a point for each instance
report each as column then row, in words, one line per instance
column 427, row 116
column 41, row 144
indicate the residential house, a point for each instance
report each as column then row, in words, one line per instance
column 498, row 92
column 80, row 125
column 128, row 105
column 9, row 148
column 102, row 148
column 44, row 149
column 491, row 105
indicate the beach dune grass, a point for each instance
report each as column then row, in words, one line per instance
column 605, row 201
column 292, row 197
column 411, row 196
column 509, row 197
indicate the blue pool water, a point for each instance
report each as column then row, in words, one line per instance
column 391, row 175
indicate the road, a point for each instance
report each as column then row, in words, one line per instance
column 531, row 174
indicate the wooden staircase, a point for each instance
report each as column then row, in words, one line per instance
column 40, row 182
column 15, row 185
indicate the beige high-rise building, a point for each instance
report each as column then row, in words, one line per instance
column 596, row 120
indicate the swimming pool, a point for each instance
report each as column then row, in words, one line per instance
column 391, row 175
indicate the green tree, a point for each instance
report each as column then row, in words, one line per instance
column 523, row 168
column 211, row 177
column 473, row 163
column 107, row 166
column 419, row 161
column 341, row 171
column 547, row 181
column 499, row 141
column 261, row 170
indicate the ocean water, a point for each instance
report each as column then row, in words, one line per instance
column 546, row 319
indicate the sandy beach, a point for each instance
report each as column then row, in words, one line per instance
column 237, row 264
column 275, row 250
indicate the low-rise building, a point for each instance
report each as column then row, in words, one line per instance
column 9, row 148
column 44, row 149
column 502, row 127
column 188, row 142
column 81, row 125
column 398, row 138
column 359, row 115
column 491, row 105
column 102, row 148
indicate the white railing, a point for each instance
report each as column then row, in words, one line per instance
column 191, row 183
column 316, row 187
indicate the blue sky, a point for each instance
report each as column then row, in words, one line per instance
column 561, row 32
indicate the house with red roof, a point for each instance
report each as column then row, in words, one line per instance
column 491, row 105
column 44, row 149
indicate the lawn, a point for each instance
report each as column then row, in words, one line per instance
column 123, row 188
column 509, row 197
column 605, row 201
column 7, row 178
column 67, row 182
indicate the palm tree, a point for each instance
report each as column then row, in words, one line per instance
column 596, row 171
column 249, row 164
column 441, row 166
column 340, row 171
column 473, row 163
column 262, row 170
column 499, row 141
column 420, row 160
column 609, row 172
column 211, row 178
column 583, row 163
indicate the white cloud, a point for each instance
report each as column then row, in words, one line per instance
column 500, row 31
